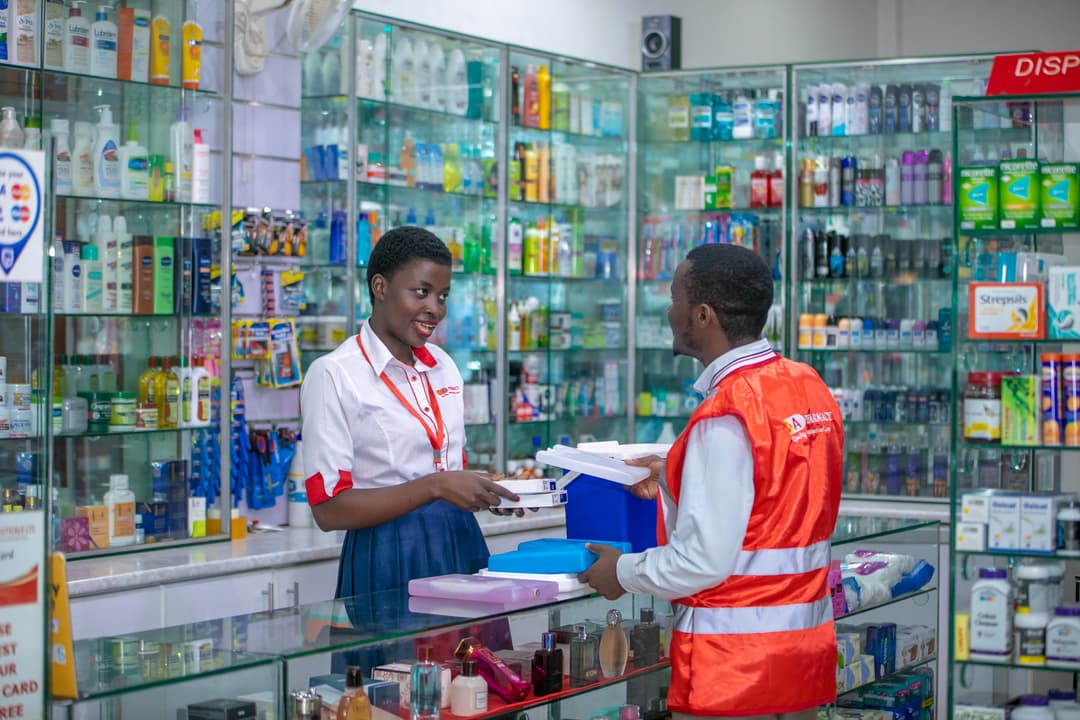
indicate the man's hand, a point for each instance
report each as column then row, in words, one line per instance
column 602, row 575
column 649, row 488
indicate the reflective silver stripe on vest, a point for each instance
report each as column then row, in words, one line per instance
column 749, row 620
column 783, row 561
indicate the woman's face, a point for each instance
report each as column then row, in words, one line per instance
column 413, row 300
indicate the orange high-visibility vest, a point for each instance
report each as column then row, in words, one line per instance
column 763, row 641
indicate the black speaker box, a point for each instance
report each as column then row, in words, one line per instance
column 661, row 42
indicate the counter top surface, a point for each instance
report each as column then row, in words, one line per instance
column 258, row 551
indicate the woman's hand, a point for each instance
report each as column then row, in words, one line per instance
column 469, row 490
column 649, row 488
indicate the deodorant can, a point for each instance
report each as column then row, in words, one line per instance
column 1052, row 407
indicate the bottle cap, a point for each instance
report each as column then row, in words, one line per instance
column 581, row 631
column 118, row 482
column 354, row 677
column 614, row 617
column 33, row 121
column 132, row 133
column 469, row 668
column 549, row 640
column 58, row 126
column 423, row 654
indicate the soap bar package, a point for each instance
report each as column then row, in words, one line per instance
column 221, row 710
column 1018, row 193
column 1063, row 302
column 1059, row 198
column 978, row 200
column 1020, row 410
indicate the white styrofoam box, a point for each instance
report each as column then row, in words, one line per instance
column 279, row 82
column 268, row 131
column 1004, row 529
column 265, row 182
column 971, row 536
column 975, row 507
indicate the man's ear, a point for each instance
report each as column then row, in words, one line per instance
column 704, row 315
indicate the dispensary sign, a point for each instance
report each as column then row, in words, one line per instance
column 1035, row 73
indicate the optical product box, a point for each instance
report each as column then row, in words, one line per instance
column 1018, row 194
column 978, row 199
column 971, row 536
column 1059, row 195
column 1020, row 410
column 1063, row 302
column 1003, row 532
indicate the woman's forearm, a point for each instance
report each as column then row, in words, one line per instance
column 356, row 509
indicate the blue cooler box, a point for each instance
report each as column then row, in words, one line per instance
column 603, row 510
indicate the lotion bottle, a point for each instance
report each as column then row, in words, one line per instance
column 200, row 169
column 120, row 504
column 106, row 156
column 181, row 153
column 134, row 168
column 103, row 37
column 125, row 266
column 191, row 59
column 77, row 41
column 468, row 692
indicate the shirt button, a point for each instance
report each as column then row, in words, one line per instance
column 427, row 409
column 413, row 378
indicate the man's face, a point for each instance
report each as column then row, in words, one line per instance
column 681, row 315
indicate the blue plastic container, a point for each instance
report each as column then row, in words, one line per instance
column 604, row 510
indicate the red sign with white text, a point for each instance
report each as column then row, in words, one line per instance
column 1035, row 73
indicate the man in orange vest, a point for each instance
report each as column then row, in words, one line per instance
column 749, row 496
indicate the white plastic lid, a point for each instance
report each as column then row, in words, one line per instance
column 1031, row 620
column 118, row 482
column 1032, row 571
column 760, row 163
column 587, row 463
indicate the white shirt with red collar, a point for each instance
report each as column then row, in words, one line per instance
column 358, row 434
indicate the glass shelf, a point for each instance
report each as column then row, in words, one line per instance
column 1044, row 341
column 620, row 348
column 664, row 212
column 944, row 137
column 851, row 530
column 1018, row 231
column 873, row 351
column 561, row 278
column 1013, row 666
column 1000, row 446
column 921, row 593
column 890, row 424
column 571, row 207
column 148, row 316
column 566, row 419
column 1015, row 554
column 662, row 417
column 64, row 74
column 422, row 192
column 756, row 142
column 877, row 210
column 415, row 110
column 519, row 132
column 133, row 431
column 137, row 203
column 905, row 668
column 845, row 282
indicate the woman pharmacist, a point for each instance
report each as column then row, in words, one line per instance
column 384, row 434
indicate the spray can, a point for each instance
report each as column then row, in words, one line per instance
column 299, row 510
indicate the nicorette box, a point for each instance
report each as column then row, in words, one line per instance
column 1018, row 194
column 978, row 199
column 1059, row 196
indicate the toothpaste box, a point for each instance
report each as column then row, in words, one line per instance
column 978, row 199
column 1059, row 196
column 1004, row 530
column 1018, row 193
column 1063, row 302
column 1020, row 410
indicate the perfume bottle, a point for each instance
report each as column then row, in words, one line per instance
column 354, row 703
column 613, row 646
column 503, row 681
column 426, row 686
column 645, row 640
column 584, row 657
column 547, row 666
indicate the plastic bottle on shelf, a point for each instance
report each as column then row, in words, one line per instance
column 82, row 171
column 120, row 505
column 422, row 73
column 77, row 41
column 187, row 393
column 200, row 394
column 401, row 70
column 33, row 133
column 181, row 153
column 91, row 280
column 125, row 266
column 167, row 394
column 543, row 94
column 991, row 616
column 134, row 168
column 146, row 398
column 106, row 155
column 11, row 135
column 103, row 45
column 60, row 152
column 530, row 111
column 378, row 64
column 105, row 240
column 437, row 75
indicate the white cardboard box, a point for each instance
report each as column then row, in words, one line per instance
column 971, row 536
column 975, row 507
column 1004, row 528
column 1038, row 521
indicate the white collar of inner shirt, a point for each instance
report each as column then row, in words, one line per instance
column 750, row 354
column 380, row 356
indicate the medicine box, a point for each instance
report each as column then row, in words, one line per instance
column 1004, row 528
column 971, row 536
column 978, row 198
column 1038, row 521
column 1006, row 311
column 1020, row 409
column 975, row 507
column 1059, row 197
column 1018, row 193
column 97, row 518
column 1063, row 302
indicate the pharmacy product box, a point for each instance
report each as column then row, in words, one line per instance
column 979, row 712
column 97, row 517
column 222, row 709
column 971, row 536
column 1059, row 198
column 1006, row 311
column 978, row 199
column 1003, row 532
column 975, row 507
column 1038, row 521
column 1018, row 193
column 1020, row 409
column 1063, row 302
column 401, row 674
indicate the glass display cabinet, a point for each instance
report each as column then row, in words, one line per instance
column 567, row 243
column 872, row 262
column 711, row 160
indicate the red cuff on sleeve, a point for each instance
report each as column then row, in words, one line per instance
column 316, row 487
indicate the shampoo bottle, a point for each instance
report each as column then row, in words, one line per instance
column 200, row 169
column 125, row 267
column 33, row 133
column 159, row 50
column 531, row 104
column 191, row 59
column 11, row 135
column 457, row 83
column 401, row 68
column 134, row 168
column 200, row 394
column 120, row 504
column 77, row 41
column 543, row 86
column 187, row 392
column 106, row 156
column 437, row 70
column 91, row 280
column 181, row 152
column 103, row 37
column 105, row 240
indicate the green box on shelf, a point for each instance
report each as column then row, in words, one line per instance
column 1059, row 194
column 1020, row 409
column 1018, row 193
column 978, row 200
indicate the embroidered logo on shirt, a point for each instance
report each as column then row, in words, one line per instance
column 448, row 390
column 802, row 426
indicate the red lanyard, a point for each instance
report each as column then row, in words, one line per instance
column 435, row 438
